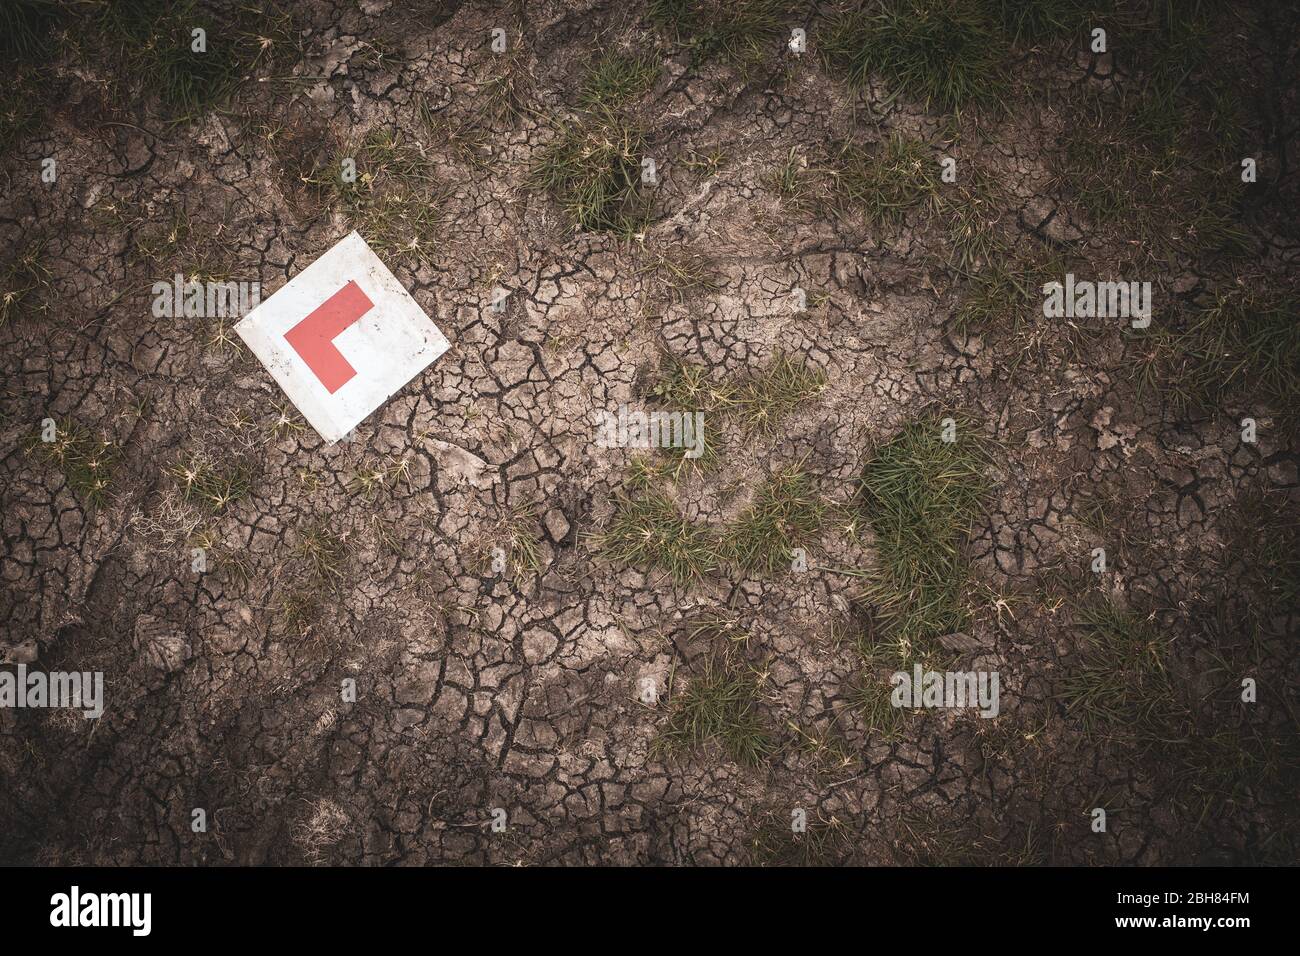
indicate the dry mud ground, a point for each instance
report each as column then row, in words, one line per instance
column 521, row 690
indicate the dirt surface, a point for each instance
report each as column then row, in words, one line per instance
column 518, row 690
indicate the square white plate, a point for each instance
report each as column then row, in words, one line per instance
column 342, row 337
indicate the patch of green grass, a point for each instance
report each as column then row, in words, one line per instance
column 791, row 181
column 1172, row 43
column 716, row 629
column 301, row 609
column 156, row 242
column 737, row 32
column 235, row 566
column 1115, row 156
column 761, row 399
column 826, row 747
column 1235, row 345
column 203, row 483
column 23, row 282
column 707, row 459
column 375, row 55
column 921, row 496
column 395, row 199
column 141, row 51
column 152, row 44
column 520, row 537
column 927, row 838
column 502, row 95
column 684, row 385
column 1001, row 292
column 972, row 210
column 86, row 461
column 1030, row 20
column 616, row 80
column 707, row 164
column 1223, row 771
column 1008, row 291
column 648, row 529
column 26, row 28
column 821, row 843
column 20, row 108
column 882, row 183
column 687, row 388
column 368, row 481
column 645, row 473
column 884, row 651
column 593, row 171
column 1119, row 680
column 1213, row 226
column 885, row 181
column 497, row 102
column 322, row 551
column 1266, row 538
column 1156, row 159
column 1238, row 345
column 954, row 837
column 871, row 698
column 787, row 512
column 719, row 704
column 684, row 273
column 950, row 53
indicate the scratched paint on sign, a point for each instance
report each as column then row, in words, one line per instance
column 342, row 337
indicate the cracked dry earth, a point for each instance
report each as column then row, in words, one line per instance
column 479, row 690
